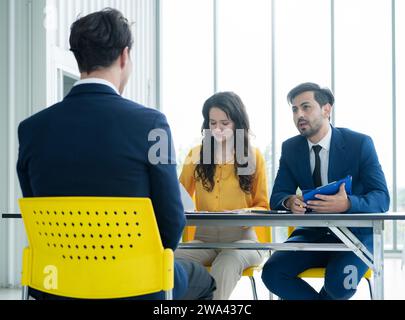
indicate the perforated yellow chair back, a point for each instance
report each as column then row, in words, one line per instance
column 94, row 248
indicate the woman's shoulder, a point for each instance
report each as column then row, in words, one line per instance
column 258, row 154
column 193, row 156
column 196, row 149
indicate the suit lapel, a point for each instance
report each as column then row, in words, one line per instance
column 337, row 157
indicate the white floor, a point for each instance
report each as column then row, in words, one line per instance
column 10, row 294
column 394, row 286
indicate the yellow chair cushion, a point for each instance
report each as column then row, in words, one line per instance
column 320, row 273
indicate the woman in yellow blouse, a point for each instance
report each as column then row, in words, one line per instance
column 225, row 174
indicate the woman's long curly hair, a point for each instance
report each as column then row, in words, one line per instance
column 232, row 105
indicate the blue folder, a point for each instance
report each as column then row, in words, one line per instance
column 329, row 189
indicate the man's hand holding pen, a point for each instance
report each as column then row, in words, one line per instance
column 296, row 205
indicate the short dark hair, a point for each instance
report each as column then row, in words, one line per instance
column 98, row 39
column 321, row 95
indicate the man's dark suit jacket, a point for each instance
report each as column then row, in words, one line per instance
column 95, row 143
column 350, row 153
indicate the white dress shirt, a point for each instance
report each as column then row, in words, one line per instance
column 323, row 155
column 97, row 81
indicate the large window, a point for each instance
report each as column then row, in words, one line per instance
column 363, row 75
column 400, row 115
column 302, row 35
column 260, row 49
column 187, row 68
column 244, row 62
column 302, row 54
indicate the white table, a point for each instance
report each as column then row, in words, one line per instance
column 339, row 224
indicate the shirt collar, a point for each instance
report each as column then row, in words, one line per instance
column 324, row 143
column 97, row 81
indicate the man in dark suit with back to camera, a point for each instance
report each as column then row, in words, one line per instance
column 95, row 143
column 319, row 155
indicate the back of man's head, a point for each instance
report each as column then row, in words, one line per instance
column 98, row 39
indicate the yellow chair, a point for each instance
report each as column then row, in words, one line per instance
column 263, row 235
column 94, row 248
column 318, row 273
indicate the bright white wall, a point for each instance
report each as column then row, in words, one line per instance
column 62, row 13
column 3, row 130
column 23, row 87
column 34, row 34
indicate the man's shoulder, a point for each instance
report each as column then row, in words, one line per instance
column 39, row 117
column 137, row 106
column 293, row 142
column 122, row 108
column 137, row 109
column 344, row 133
column 351, row 136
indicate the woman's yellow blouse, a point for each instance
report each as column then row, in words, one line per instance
column 227, row 194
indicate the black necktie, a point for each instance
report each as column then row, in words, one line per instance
column 316, row 176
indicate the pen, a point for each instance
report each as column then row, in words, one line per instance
column 270, row 211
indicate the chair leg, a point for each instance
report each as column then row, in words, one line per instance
column 271, row 295
column 169, row 295
column 24, row 293
column 403, row 258
column 253, row 282
column 371, row 289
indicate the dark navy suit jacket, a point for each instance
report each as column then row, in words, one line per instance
column 351, row 153
column 95, row 143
